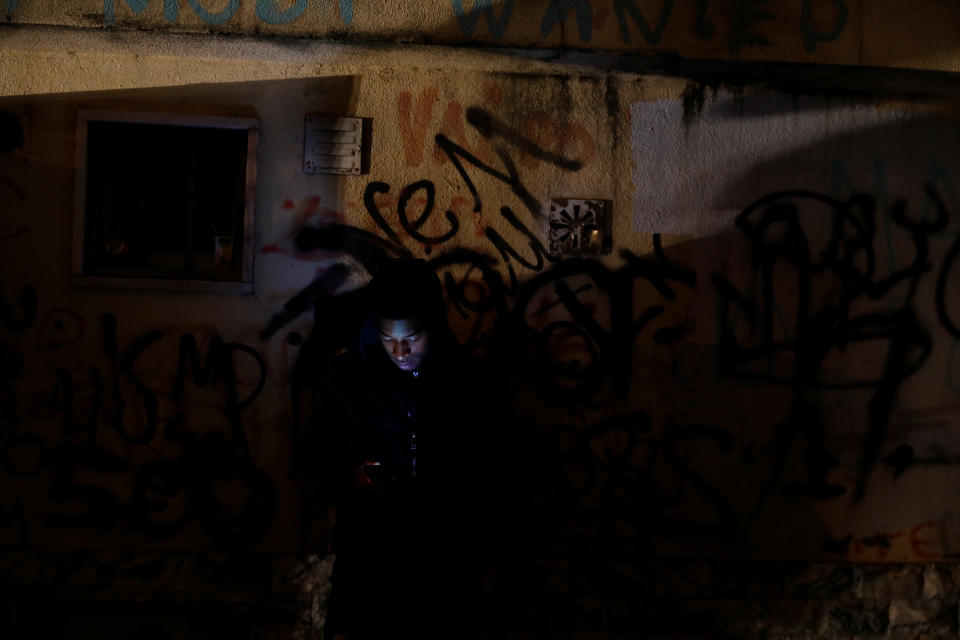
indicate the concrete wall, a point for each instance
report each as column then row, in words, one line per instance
column 878, row 33
column 764, row 366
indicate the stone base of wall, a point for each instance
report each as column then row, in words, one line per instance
column 259, row 596
column 159, row 595
column 698, row 598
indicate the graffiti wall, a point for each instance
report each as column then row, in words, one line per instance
column 761, row 364
column 128, row 420
column 828, row 292
column 823, row 31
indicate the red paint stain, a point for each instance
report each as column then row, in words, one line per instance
column 481, row 229
column 311, row 204
column 925, row 540
column 288, row 204
column 493, row 92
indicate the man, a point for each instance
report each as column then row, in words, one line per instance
column 396, row 458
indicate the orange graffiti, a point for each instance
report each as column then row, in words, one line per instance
column 876, row 546
column 452, row 127
column 413, row 128
column 925, row 540
column 415, row 116
column 568, row 139
column 480, row 228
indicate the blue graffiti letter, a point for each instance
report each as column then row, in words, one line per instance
column 468, row 22
column 267, row 11
column 557, row 12
column 346, row 11
column 652, row 36
column 812, row 35
column 215, row 18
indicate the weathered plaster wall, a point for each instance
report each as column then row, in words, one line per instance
column 882, row 33
column 831, row 305
column 406, row 109
column 672, row 159
column 778, row 383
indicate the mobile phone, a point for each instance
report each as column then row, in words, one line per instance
column 373, row 471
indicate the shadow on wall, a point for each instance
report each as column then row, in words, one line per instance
column 753, row 421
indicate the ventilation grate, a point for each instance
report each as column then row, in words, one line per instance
column 332, row 145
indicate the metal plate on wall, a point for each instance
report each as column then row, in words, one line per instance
column 578, row 227
column 332, row 145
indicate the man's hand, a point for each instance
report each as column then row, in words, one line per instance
column 362, row 474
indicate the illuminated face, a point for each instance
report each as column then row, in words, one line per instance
column 405, row 341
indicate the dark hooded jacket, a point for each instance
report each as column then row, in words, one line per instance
column 412, row 424
column 403, row 543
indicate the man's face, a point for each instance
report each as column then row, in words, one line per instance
column 405, row 341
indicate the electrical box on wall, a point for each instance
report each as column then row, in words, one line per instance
column 333, row 145
column 579, row 227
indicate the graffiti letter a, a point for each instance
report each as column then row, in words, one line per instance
column 468, row 21
column 557, row 12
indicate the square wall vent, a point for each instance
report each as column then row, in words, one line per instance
column 332, row 145
column 579, row 227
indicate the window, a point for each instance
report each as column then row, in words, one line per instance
column 165, row 201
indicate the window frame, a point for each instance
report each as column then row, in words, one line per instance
column 242, row 286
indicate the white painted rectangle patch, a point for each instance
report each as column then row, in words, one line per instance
column 697, row 163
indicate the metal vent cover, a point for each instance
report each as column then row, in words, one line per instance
column 579, row 227
column 332, row 145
